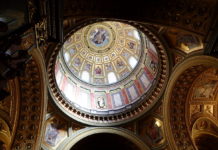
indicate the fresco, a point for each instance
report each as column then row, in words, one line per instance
column 144, row 81
column 184, row 41
column 77, row 62
column 99, row 49
column 100, row 100
column 109, row 67
column 108, row 82
column 132, row 92
column 98, row 71
column 56, row 131
column 99, row 37
column 87, row 66
column 120, row 64
column 117, row 99
column 152, row 131
column 205, row 89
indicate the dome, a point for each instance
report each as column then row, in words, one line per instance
column 103, row 53
column 106, row 68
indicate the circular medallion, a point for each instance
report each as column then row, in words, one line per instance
column 99, row 38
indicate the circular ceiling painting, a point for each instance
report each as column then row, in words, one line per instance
column 107, row 69
column 104, row 53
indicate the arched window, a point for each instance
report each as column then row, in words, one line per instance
column 58, row 77
column 69, row 91
column 111, row 77
column 132, row 62
column 85, row 76
column 136, row 35
column 83, row 99
column 66, row 56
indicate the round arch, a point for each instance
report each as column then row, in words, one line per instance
column 175, row 98
column 81, row 134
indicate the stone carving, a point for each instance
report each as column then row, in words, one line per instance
column 194, row 109
column 41, row 33
column 208, row 109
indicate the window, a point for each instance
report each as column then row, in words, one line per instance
column 66, row 56
column 111, row 77
column 136, row 35
column 69, row 91
column 85, row 76
column 132, row 62
column 59, row 76
column 83, row 99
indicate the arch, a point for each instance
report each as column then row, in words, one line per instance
column 209, row 127
column 111, row 77
column 85, row 76
column 35, row 90
column 132, row 62
column 5, row 135
column 175, row 98
column 81, row 134
column 66, row 56
column 152, row 96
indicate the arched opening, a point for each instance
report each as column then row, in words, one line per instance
column 85, row 76
column 107, row 138
column 178, row 95
column 66, row 56
column 111, row 77
column 132, row 62
column 206, row 142
column 104, row 141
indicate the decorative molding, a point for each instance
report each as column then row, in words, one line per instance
column 204, row 125
column 116, row 119
column 175, row 113
column 5, row 135
column 33, row 104
column 81, row 134
column 41, row 32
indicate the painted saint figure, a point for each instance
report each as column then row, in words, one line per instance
column 98, row 70
column 77, row 62
column 131, row 45
column 120, row 64
column 51, row 134
column 154, row 132
column 101, row 102
column 88, row 67
column 108, row 67
column 98, row 36
column 153, row 66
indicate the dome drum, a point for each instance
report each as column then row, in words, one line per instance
column 126, row 64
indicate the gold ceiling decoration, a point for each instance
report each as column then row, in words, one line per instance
column 106, row 69
column 104, row 52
